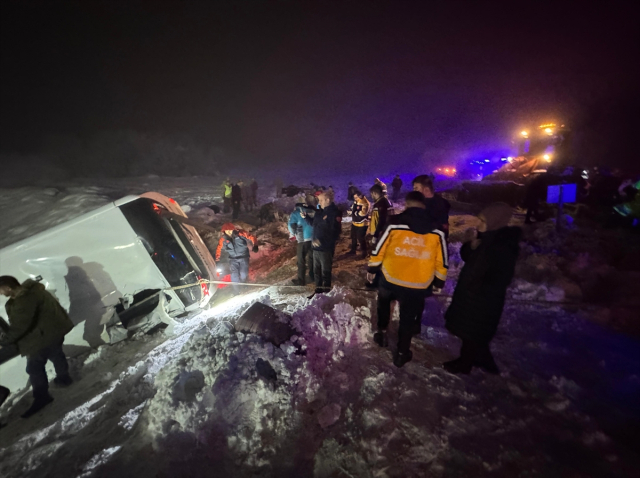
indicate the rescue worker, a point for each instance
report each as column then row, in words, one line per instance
column 380, row 212
column 327, row 224
column 254, row 192
column 437, row 206
column 37, row 326
column 235, row 242
column 396, row 184
column 410, row 258
column 300, row 230
column 382, row 185
column 226, row 195
column 236, row 199
column 359, row 212
column 490, row 255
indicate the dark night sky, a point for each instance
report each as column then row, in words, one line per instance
column 345, row 82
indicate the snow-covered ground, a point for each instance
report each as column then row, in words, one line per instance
column 195, row 404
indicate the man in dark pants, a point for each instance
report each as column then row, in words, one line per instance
column 359, row 222
column 411, row 258
column 327, row 224
column 235, row 242
column 37, row 325
column 300, row 230
column 396, row 184
column 489, row 254
column 236, row 199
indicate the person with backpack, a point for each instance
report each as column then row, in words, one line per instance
column 300, row 230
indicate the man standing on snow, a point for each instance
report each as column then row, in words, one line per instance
column 489, row 254
column 226, row 195
column 327, row 224
column 37, row 325
column 302, row 231
column 359, row 221
column 236, row 199
column 235, row 242
column 409, row 259
column 350, row 191
column 437, row 206
column 396, row 184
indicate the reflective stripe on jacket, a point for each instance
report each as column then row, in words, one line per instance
column 411, row 254
column 237, row 245
column 360, row 212
column 382, row 209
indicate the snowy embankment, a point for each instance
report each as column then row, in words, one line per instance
column 208, row 401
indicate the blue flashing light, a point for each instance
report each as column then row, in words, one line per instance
column 486, row 160
column 503, row 159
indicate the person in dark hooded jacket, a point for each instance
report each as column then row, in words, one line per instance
column 235, row 243
column 37, row 326
column 490, row 256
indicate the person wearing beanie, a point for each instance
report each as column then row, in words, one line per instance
column 235, row 242
column 490, row 253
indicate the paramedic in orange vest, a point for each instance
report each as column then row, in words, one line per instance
column 411, row 257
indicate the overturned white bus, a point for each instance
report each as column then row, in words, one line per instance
column 109, row 268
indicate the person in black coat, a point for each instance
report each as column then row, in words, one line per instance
column 490, row 256
column 236, row 198
column 327, row 225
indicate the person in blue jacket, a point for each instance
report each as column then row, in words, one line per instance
column 300, row 230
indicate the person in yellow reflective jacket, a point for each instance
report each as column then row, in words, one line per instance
column 227, row 188
column 410, row 258
column 359, row 221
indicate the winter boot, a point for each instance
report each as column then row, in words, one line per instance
column 64, row 380
column 457, row 366
column 4, row 394
column 380, row 337
column 320, row 290
column 297, row 282
column 486, row 362
column 399, row 359
column 38, row 404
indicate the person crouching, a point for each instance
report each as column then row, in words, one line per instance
column 235, row 242
column 490, row 256
column 411, row 256
column 37, row 325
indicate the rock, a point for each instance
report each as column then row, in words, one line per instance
column 329, row 414
column 187, row 385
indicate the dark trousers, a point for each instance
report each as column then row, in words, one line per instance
column 226, row 205
column 305, row 261
column 36, row 367
column 474, row 353
column 396, row 193
column 411, row 307
column 239, row 271
column 236, row 209
column 358, row 234
column 322, row 264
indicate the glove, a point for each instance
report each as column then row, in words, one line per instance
column 255, row 248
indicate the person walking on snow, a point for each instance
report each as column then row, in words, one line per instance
column 410, row 259
column 235, row 242
column 327, row 224
column 37, row 325
column 359, row 212
column 226, row 195
column 236, row 199
column 396, row 184
column 300, row 230
column 490, row 254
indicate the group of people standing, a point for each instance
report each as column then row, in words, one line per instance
column 234, row 196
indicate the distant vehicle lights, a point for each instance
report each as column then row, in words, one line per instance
column 547, row 157
column 524, row 133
